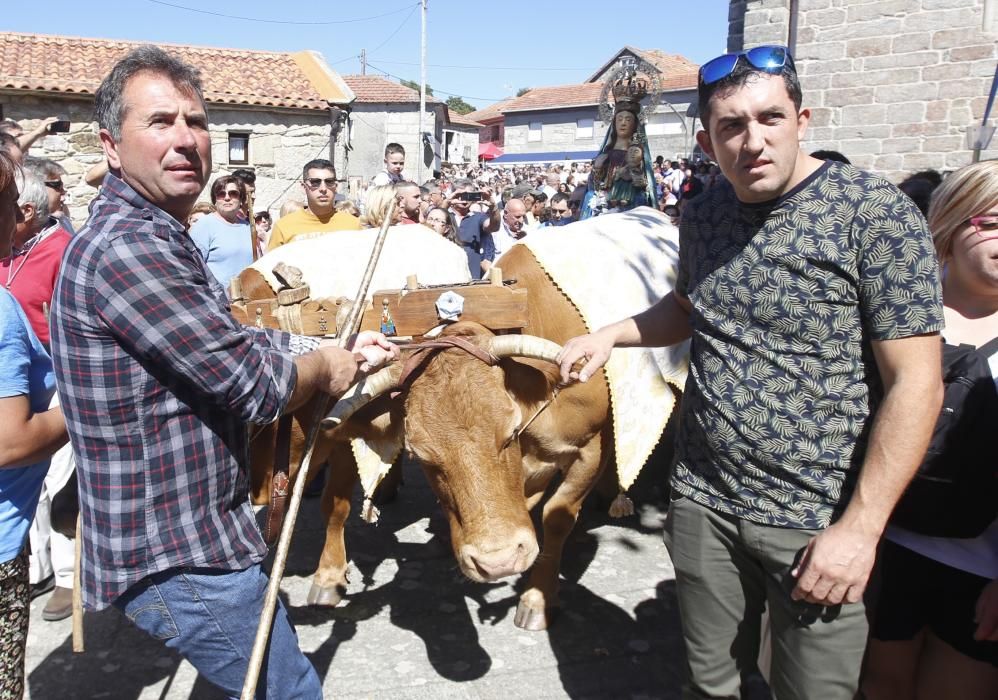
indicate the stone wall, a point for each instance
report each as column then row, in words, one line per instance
column 892, row 84
column 374, row 126
column 558, row 131
column 281, row 142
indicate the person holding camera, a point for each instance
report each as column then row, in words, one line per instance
column 26, row 139
column 473, row 227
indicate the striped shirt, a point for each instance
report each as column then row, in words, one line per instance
column 157, row 383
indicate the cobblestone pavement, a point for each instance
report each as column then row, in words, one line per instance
column 413, row 627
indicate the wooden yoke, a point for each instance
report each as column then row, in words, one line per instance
column 413, row 309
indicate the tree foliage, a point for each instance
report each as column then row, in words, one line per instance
column 523, row 91
column 458, row 105
column 415, row 86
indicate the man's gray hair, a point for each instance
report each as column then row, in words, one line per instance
column 44, row 168
column 32, row 191
column 462, row 183
column 109, row 109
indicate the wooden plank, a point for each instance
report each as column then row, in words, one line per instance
column 256, row 313
column 415, row 312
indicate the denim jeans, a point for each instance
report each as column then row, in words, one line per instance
column 210, row 617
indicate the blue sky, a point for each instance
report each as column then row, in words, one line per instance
column 481, row 51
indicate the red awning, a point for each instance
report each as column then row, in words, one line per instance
column 489, row 150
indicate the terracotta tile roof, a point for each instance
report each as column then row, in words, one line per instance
column 460, row 119
column 76, row 65
column 580, row 95
column 493, row 111
column 678, row 72
column 374, row 88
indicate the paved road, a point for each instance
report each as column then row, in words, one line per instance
column 413, row 627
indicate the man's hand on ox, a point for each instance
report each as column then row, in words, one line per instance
column 593, row 349
column 835, row 566
column 375, row 348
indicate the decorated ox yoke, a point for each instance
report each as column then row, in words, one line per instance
column 422, row 280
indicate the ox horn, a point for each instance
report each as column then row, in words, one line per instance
column 525, row 346
column 361, row 394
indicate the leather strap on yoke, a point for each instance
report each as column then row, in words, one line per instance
column 422, row 352
column 280, row 482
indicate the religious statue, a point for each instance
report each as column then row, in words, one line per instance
column 622, row 176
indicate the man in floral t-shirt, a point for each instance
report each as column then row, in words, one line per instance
column 811, row 294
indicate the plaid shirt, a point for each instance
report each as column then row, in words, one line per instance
column 157, row 383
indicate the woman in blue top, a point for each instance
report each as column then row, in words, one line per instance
column 30, row 433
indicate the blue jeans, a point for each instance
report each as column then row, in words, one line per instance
column 210, row 617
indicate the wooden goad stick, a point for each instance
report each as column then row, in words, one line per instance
column 322, row 408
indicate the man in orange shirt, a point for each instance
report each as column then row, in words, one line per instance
column 319, row 183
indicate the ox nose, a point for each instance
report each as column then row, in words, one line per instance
column 498, row 559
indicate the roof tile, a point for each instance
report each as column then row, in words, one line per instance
column 65, row 64
column 374, row 88
column 580, row 95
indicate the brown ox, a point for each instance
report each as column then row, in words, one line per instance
column 455, row 416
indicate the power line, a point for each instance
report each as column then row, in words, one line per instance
column 447, row 65
column 277, row 21
column 435, row 89
column 399, row 28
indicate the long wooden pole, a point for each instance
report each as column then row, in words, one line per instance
column 78, row 588
column 250, row 202
column 322, row 408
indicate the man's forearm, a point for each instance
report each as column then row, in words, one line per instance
column 899, row 437
column 665, row 323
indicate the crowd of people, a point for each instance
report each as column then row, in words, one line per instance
column 819, row 322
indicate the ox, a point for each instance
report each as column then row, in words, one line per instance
column 462, row 418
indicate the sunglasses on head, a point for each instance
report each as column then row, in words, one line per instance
column 770, row 59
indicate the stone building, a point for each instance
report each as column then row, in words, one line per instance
column 386, row 112
column 460, row 139
column 270, row 112
column 895, row 85
column 562, row 122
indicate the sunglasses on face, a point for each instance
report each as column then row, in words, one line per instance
column 55, row 185
column 984, row 225
column 227, row 194
column 315, row 183
column 770, row 59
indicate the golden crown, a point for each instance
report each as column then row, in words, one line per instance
column 628, row 92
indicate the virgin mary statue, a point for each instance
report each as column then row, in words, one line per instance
column 621, row 176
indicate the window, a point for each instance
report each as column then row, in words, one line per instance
column 239, row 149
column 534, row 132
column 663, row 125
column 583, row 129
column 494, row 134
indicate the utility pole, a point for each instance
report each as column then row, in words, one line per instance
column 363, row 61
column 422, row 93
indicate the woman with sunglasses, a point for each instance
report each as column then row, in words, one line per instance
column 441, row 221
column 935, row 628
column 224, row 237
column 30, row 432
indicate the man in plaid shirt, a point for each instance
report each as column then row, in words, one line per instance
column 158, row 383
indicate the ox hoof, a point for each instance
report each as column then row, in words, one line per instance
column 325, row 596
column 532, row 619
